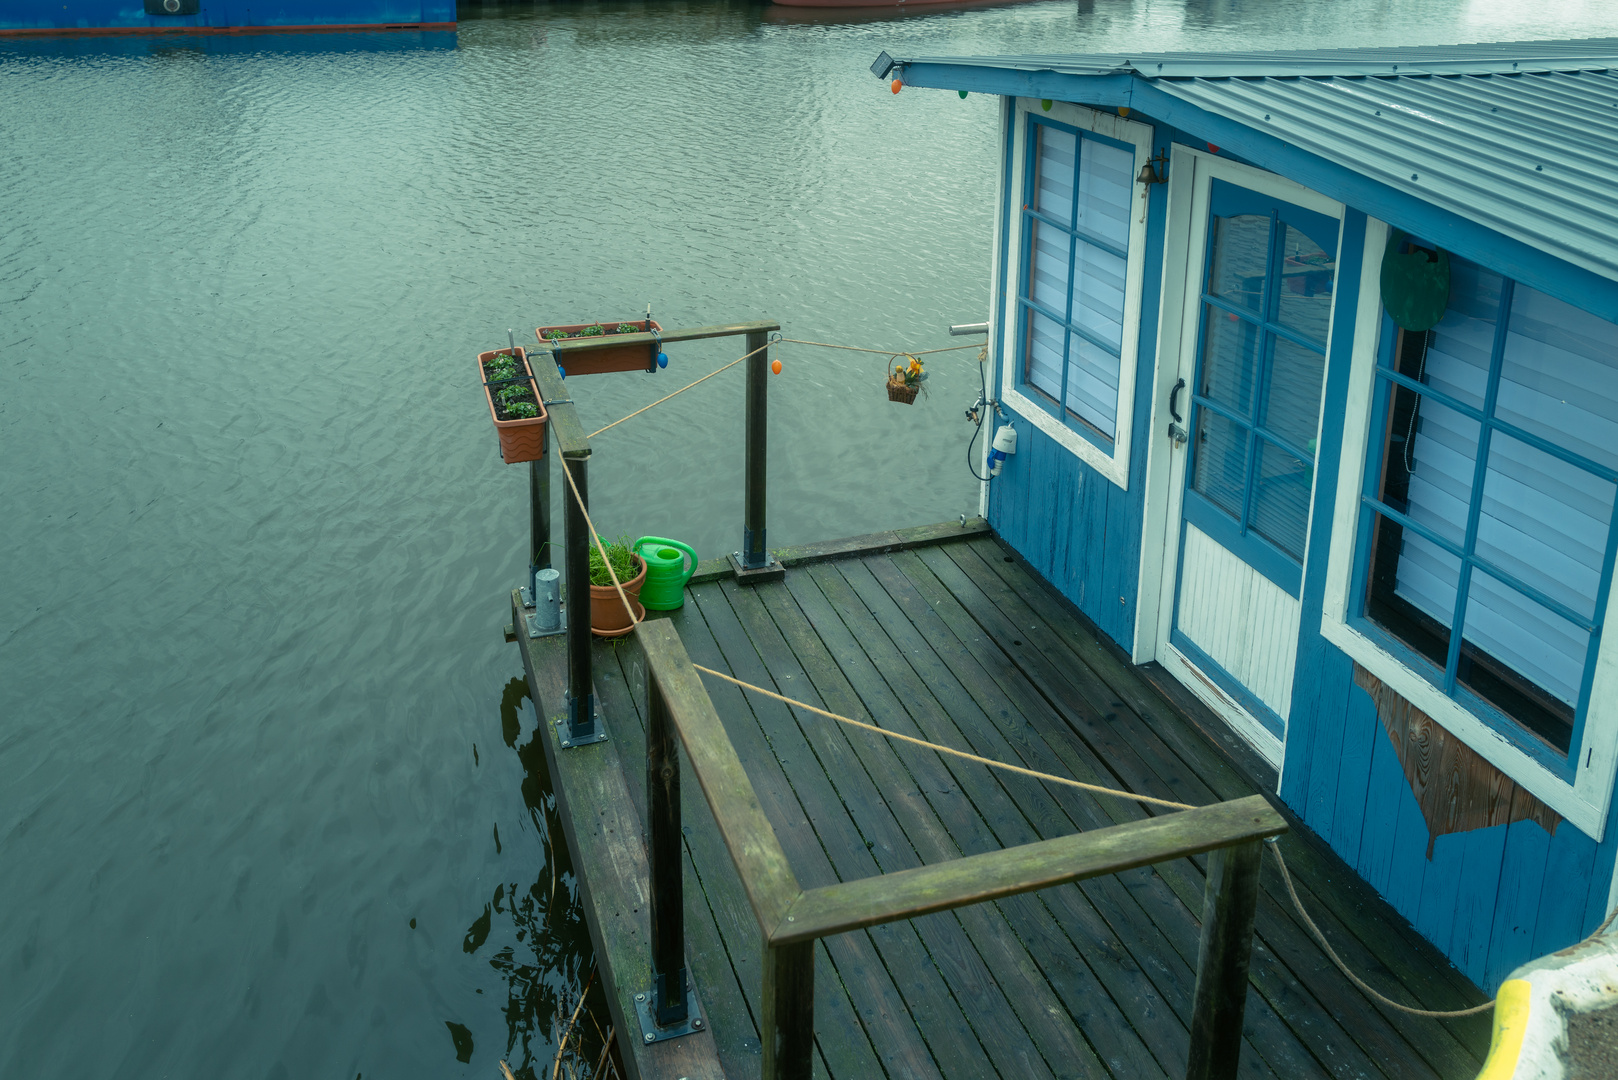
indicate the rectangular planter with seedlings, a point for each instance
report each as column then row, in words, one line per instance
column 514, row 404
column 598, row 361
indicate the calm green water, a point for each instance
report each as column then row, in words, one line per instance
column 268, row 801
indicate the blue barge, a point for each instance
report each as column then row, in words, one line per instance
column 58, row 17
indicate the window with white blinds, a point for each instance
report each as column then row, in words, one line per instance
column 1492, row 523
column 1076, row 222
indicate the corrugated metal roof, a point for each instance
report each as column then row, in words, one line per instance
column 1521, row 137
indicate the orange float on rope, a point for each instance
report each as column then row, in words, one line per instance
column 775, row 366
column 898, row 84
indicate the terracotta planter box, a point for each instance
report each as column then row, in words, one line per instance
column 520, row 440
column 599, row 361
column 607, row 615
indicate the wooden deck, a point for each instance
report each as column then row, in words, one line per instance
column 960, row 643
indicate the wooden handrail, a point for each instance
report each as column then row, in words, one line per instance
column 851, row 905
column 566, row 346
column 553, row 390
column 766, row 874
column 791, row 919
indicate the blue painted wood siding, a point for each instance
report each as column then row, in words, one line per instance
column 1490, row 899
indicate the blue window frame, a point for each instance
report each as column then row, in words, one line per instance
column 1486, row 534
column 1079, row 190
column 1267, row 293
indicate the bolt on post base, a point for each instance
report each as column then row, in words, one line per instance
column 572, row 732
column 649, row 1030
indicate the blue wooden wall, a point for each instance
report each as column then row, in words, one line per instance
column 1076, row 527
column 1489, row 899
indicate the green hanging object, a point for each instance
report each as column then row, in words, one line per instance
column 962, row 93
column 1415, row 285
column 1045, row 103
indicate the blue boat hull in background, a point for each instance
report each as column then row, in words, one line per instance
column 28, row 17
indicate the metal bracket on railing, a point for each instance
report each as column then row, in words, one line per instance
column 690, row 1021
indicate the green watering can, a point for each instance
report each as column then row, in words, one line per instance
column 666, row 572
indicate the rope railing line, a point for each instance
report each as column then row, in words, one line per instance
column 892, row 353
column 1272, row 844
column 879, row 352
column 947, row 749
column 681, row 390
column 1437, row 1014
column 628, row 607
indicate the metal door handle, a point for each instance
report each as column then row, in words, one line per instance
column 1176, row 431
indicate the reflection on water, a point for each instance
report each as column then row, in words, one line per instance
column 272, row 805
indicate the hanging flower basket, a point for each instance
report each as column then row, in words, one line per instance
column 514, row 404
column 904, row 382
column 599, row 361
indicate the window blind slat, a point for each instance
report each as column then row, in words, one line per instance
column 1541, row 519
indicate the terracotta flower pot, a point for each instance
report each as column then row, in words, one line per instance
column 521, row 439
column 598, row 361
column 607, row 615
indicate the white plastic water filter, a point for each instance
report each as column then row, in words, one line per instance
column 1005, row 443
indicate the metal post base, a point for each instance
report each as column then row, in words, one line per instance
column 772, row 570
column 535, row 632
column 651, row 1033
column 595, row 732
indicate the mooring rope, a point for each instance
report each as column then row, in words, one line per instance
column 1272, row 842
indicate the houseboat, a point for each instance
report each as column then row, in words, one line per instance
column 187, row 17
column 1312, row 362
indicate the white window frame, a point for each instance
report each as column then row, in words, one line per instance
column 1585, row 801
column 1114, row 466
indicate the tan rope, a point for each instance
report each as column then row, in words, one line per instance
column 947, row 749
column 1355, row 979
column 879, row 352
column 597, row 538
column 1273, row 845
column 681, row 390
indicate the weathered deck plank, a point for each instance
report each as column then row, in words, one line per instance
column 951, row 638
column 1344, row 911
column 604, row 836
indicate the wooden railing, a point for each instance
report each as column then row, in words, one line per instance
column 791, row 918
column 565, row 428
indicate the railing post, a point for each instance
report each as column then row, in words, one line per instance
column 539, row 514
column 789, row 1011
column 1229, row 903
column 754, row 562
column 581, row 711
column 668, row 1005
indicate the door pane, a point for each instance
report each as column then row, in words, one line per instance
column 1307, row 276
column 1229, row 359
column 1241, row 249
column 1221, row 466
column 1293, row 407
column 1281, row 498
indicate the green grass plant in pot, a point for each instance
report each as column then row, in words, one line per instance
column 607, row 615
